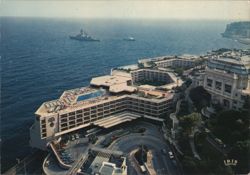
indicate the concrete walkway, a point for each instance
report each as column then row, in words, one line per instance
column 192, row 144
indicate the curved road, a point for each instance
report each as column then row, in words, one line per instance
column 162, row 163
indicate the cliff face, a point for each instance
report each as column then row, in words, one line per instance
column 237, row 30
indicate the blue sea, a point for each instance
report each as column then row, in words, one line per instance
column 39, row 61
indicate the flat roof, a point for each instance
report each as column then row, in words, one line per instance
column 120, row 72
column 109, row 80
column 121, row 88
column 107, row 170
column 97, row 163
column 169, row 57
column 116, row 83
column 146, row 86
column 235, row 60
column 155, row 93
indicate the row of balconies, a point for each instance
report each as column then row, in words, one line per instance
column 138, row 108
column 87, row 115
column 43, row 130
column 167, row 64
column 105, row 110
column 101, row 113
column 71, row 124
column 135, row 102
column 79, row 121
column 65, row 126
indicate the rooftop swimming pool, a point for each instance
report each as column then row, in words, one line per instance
column 91, row 95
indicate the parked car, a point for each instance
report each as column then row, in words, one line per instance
column 218, row 141
column 171, row 155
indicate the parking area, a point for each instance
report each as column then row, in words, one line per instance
column 125, row 137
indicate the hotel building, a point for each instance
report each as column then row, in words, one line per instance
column 150, row 75
column 100, row 104
column 175, row 62
column 227, row 79
column 184, row 61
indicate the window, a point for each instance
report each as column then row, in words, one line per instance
column 71, row 113
column 218, row 85
column 64, row 116
column 63, row 129
column 209, row 82
column 63, row 125
column 226, row 103
column 37, row 118
column 79, row 116
column 64, row 120
column 228, row 88
column 79, row 111
column 72, row 122
column 43, row 122
column 79, row 121
column 86, row 118
column 87, row 109
column 86, row 113
column 72, row 118
column 242, row 97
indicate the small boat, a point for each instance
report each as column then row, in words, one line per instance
column 129, row 39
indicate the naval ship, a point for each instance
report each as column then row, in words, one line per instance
column 83, row 36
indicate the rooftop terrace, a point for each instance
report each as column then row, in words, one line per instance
column 62, row 107
column 70, row 98
column 115, row 83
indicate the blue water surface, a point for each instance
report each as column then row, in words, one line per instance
column 90, row 95
column 39, row 61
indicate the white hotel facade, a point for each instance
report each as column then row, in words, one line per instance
column 103, row 104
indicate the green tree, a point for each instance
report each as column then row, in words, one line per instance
column 189, row 164
column 231, row 126
column 200, row 97
column 188, row 122
column 179, row 71
column 241, row 153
